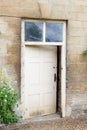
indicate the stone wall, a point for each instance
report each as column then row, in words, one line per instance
column 10, row 48
column 75, row 12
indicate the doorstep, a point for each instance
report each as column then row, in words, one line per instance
column 45, row 118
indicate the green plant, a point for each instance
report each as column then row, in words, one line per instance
column 85, row 52
column 8, row 99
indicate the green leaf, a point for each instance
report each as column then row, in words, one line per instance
column 85, row 52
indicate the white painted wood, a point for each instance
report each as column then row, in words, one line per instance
column 44, row 31
column 22, row 101
column 44, row 43
column 40, row 67
column 63, row 68
column 63, row 72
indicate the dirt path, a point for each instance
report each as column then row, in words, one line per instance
column 59, row 124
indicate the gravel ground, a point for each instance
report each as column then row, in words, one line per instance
column 59, row 124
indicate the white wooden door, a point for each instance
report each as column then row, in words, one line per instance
column 40, row 80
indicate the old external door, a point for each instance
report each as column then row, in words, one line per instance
column 40, row 80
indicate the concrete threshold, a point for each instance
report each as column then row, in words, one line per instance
column 42, row 118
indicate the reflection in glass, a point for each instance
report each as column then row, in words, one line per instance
column 33, row 31
column 54, row 32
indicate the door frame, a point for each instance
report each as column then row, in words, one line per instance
column 63, row 66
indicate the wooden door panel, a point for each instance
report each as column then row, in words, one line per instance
column 40, row 67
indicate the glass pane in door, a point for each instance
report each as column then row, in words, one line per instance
column 34, row 31
column 54, row 32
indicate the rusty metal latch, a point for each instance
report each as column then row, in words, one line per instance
column 55, row 78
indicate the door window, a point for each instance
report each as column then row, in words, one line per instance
column 43, row 32
column 33, row 31
column 54, row 32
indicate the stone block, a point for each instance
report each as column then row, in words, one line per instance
column 72, row 85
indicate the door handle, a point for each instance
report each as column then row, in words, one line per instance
column 55, row 77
